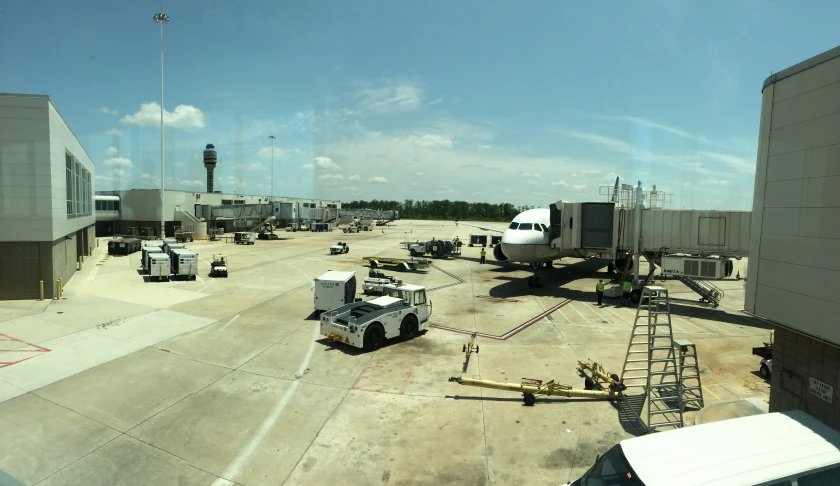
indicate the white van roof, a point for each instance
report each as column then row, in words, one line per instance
column 741, row 451
column 336, row 276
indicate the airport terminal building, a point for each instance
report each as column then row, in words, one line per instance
column 794, row 272
column 46, row 197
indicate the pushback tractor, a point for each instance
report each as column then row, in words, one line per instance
column 402, row 312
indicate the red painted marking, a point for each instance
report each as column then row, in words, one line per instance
column 361, row 375
column 38, row 349
column 516, row 330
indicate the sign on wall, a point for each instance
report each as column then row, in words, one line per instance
column 821, row 390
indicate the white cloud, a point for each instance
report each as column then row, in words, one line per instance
column 337, row 177
column 107, row 111
column 529, row 174
column 542, row 194
column 574, row 175
column 714, row 182
column 579, row 187
column 146, row 177
column 686, row 183
column 350, row 189
column 119, row 162
column 391, row 96
column 353, row 177
column 110, row 176
column 508, row 191
column 265, row 152
column 433, row 140
column 610, row 143
column 436, row 101
column 114, row 131
column 560, row 183
column 192, row 183
column 112, row 151
column 485, row 146
column 531, row 182
column 185, row 116
column 419, row 173
column 322, row 163
column 591, row 171
column 738, row 163
column 257, row 166
column 378, row 180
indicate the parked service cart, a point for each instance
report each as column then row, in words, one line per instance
column 160, row 267
column 184, row 263
column 168, row 247
column 403, row 311
column 244, row 238
column 478, row 240
column 377, row 284
column 334, row 289
column 400, row 264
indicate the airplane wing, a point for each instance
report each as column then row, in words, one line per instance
column 486, row 228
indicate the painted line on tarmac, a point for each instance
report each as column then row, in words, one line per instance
column 229, row 322
column 245, row 455
column 516, row 330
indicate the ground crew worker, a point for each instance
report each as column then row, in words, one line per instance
column 599, row 289
column 627, row 288
column 483, row 255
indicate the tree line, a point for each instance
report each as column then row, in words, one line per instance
column 445, row 209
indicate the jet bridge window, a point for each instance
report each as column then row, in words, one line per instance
column 525, row 226
column 513, row 226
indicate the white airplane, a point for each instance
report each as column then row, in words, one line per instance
column 527, row 240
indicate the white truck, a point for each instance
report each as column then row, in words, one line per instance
column 403, row 311
column 351, row 229
column 334, row 289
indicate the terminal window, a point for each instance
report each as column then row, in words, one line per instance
column 77, row 185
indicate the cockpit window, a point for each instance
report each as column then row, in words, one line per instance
column 513, row 226
column 545, row 229
column 525, row 226
column 537, row 227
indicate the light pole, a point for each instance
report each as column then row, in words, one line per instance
column 161, row 18
column 272, row 137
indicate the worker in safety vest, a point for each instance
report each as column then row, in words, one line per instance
column 483, row 255
column 599, row 289
column 628, row 287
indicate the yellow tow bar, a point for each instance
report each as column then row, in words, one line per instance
column 530, row 388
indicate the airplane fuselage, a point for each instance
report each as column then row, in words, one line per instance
column 527, row 239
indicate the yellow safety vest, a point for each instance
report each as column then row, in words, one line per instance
column 600, row 287
column 482, row 252
column 628, row 286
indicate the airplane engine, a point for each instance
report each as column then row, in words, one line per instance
column 498, row 254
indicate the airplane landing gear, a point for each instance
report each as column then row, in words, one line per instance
column 534, row 281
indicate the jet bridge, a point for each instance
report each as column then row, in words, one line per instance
column 694, row 245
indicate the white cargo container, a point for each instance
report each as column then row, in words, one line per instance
column 184, row 263
column 334, row 289
column 168, row 247
column 148, row 250
column 159, row 266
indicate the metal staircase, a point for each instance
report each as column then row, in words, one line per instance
column 707, row 291
column 688, row 367
column 650, row 363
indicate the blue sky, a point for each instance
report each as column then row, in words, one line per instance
column 497, row 101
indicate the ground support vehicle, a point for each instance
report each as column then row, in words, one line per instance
column 339, row 248
column 243, row 237
column 403, row 311
column 218, row 267
column 334, row 289
column 377, row 284
column 401, row 264
column 766, row 354
column 435, row 248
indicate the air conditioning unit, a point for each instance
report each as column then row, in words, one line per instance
column 709, row 268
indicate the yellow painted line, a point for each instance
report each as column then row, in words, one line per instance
column 711, row 392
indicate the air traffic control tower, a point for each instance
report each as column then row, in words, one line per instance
column 210, row 164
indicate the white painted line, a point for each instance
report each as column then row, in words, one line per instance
column 246, row 453
column 229, row 322
column 92, row 274
column 199, row 279
column 207, row 285
column 564, row 315
column 572, row 305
